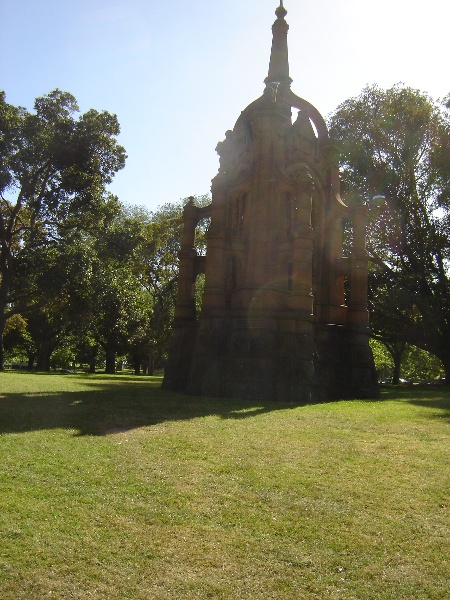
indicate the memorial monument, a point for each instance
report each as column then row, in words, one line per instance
column 284, row 308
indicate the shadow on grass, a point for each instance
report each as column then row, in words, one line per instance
column 433, row 397
column 114, row 404
column 119, row 403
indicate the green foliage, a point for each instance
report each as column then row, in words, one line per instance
column 420, row 365
column 54, row 169
column 415, row 364
column 90, row 275
column 63, row 357
column 395, row 154
column 384, row 363
column 15, row 335
column 116, row 304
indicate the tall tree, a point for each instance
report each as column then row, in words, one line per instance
column 53, row 171
column 396, row 157
column 160, row 266
column 120, row 303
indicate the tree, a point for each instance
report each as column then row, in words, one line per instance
column 420, row 365
column 14, row 333
column 135, row 282
column 160, row 275
column 116, row 302
column 53, row 172
column 396, row 157
column 415, row 364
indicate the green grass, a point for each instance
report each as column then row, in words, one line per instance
column 112, row 488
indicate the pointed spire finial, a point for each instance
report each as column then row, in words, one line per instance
column 279, row 62
column 281, row 12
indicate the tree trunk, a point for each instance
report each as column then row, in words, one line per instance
column 30, row 357
column 396, row 350
column 396, row 373
column 110, row 360
column 43, row 357
column 47, row 360
column 40, row 361
column 2, row 350
column 137, row 365
column 92, row 358
column 151, row 363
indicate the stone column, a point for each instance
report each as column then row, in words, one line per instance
column 214, row 295
column 357, row 311
column 301, row 291
column 185, row 307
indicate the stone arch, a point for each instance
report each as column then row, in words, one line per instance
column 312, row 112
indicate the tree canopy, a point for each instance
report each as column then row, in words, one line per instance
column 54, row 169
column 395, row 147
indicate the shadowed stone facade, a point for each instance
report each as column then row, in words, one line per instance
column 284, row 311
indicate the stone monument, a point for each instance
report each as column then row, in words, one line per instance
column 284, row 308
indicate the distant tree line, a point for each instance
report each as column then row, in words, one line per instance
column 87, row 279
column 82, row 277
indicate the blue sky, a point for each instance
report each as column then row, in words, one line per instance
column 178, row 73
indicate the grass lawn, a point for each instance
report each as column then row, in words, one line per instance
column 111, row 488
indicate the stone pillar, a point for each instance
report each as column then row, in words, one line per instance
column 357, row 311
column 185, row 307
column 331, row 153
column 301, row 290
column 214, row 295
